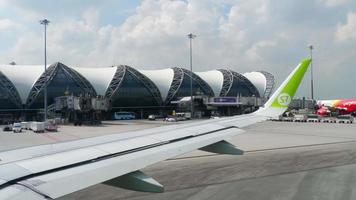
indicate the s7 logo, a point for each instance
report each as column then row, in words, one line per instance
column 284, row 99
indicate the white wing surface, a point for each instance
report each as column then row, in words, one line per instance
column 54, row 170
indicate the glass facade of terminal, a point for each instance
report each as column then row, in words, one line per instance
column 5, row 99
column 132, row 93
column 240, row 88
column 184, row 89
column 128, row 87
column 63, row 82
column 9, row 97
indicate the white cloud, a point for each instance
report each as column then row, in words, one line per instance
column 3, row 2
column 333, row 3
column 237, row 34
column 91, row 17
column 7, row 25
column 347, row 31
column 157, row 28
column 253, row 53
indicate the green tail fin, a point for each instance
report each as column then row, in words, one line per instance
column 282, row 97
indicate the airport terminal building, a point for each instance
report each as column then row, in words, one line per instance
column 127, row 88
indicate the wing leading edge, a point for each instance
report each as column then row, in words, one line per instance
column 72, row 166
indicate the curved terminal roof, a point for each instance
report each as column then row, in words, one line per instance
column 180, row 86
column 100, row 78
column 214, row 78
column 23, row 77
column 133, row 88
column 161, row 86
column 59, row 79
column 258, row 79
column 161, row 78
column 262, row 80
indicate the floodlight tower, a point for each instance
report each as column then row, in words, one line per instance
column 311, row 72
column 191, row 36
column 45, row 23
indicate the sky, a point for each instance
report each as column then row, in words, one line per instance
column 240, row 35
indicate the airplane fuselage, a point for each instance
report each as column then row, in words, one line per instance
column 342, row 106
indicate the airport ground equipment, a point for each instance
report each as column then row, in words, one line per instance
column 26, row 125
column 328, row 119
column 303, row 103
column 83, row 109
column 313, row 118
column 7, row 128
column 345, row 119
column 224, row 105
column 300, row 118
column 38, row 127
column 16, row 128
column 54, row 170
column 51, row 126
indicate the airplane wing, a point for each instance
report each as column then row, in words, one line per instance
column 54, row 170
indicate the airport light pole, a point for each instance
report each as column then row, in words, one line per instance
column 191, row 36
column 311, row 72
column 45, row 22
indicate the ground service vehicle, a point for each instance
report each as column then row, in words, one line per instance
column 313, row 118
column 38, row 127
column 300, row 118
column 16, row 128
column 51, row 126
column 345, row 119
column 26, row 125
column 7, row 128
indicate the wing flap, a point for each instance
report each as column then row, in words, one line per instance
column 137, row 181
column 187, row 132
column 12, row 171
column 19, row 192
column 223, row 147
column 58, row 160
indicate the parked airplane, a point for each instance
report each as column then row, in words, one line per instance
column 54, row 170
column 341, row 106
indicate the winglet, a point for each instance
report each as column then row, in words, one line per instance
column 281, row 98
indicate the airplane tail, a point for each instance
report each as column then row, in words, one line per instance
column 281, row 98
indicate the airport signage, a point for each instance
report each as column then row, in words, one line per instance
column 225, row 100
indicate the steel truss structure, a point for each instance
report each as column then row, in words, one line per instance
column 178, row 78
column 119, row 76
column 231, row 76
column 270, row 83
column 11, row 91
column 50, row 74
column 116, row 81
column 228, row 79
column 205, row 86
column 175, row 85
column 119, row 73
column 243, row 80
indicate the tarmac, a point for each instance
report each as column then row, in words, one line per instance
column 282, row 160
